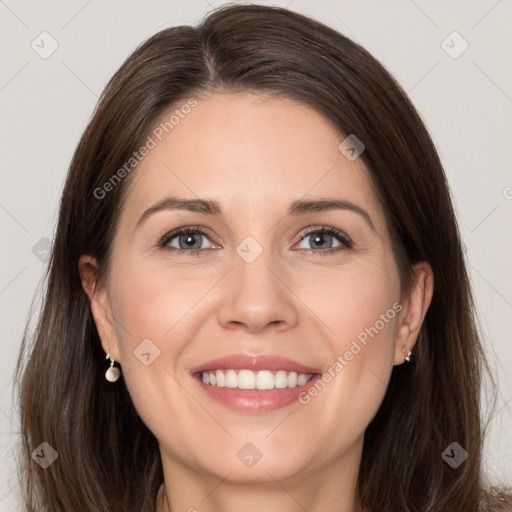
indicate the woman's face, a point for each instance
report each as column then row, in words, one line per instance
column 285, row 268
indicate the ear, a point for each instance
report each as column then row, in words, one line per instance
column 414, row 309
column 100, row 305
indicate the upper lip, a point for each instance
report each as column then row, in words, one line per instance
column 255, row 363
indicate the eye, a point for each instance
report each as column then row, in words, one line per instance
column 325, row 239
column 193, row 240
column 188, row 239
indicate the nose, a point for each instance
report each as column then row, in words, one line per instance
column 255, row 296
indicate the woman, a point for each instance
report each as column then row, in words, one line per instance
column 256, row 233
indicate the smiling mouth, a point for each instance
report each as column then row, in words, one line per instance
column 262, row 380
column 254, row 383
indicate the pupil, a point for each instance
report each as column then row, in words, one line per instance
column 319, row 241
column 189, row 240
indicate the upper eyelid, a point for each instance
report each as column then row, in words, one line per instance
column 164, row 240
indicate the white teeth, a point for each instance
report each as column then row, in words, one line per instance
column 246, row 379
column 281, row 379
column 292, row 379
column 264, row 380
column 302, row 379
column 231, row 379
column 261, row 380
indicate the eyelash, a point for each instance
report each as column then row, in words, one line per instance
column 345, row 241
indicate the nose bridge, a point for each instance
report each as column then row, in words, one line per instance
column 252, row 263
column 255, row 296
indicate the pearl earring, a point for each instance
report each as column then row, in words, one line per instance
column 112, row 374
column 408, row 356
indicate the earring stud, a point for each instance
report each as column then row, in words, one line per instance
column 408, row 356
column 113, row 373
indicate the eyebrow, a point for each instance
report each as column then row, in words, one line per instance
column 213, row 208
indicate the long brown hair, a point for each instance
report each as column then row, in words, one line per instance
column 107, row 457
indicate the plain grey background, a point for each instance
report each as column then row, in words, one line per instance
column 460, row 82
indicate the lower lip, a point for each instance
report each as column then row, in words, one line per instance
column 254, row 401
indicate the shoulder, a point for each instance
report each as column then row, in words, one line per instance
column 496, row 499
column 502, row 502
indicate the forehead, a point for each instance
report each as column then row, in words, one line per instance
column 252, row 153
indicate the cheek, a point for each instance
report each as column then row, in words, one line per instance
column 146, row 307
column 359, row 309
column 151, row 301
column 156, row 308
column 353, row 301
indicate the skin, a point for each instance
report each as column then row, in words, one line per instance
column 255, row 155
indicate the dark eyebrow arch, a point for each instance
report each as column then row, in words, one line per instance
column 206, row 206
column 211, row 207
column 302, row 207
